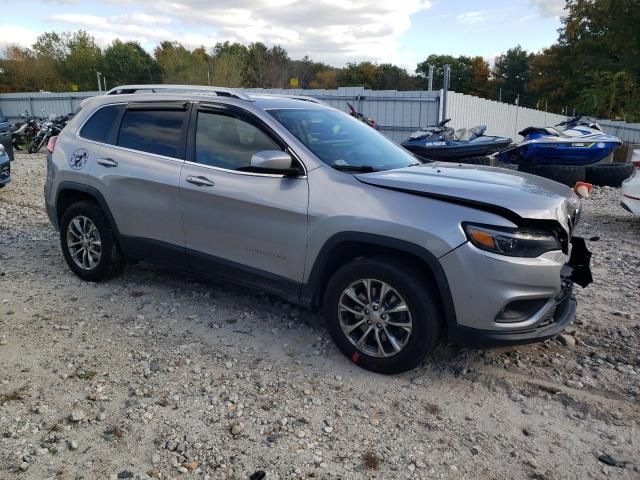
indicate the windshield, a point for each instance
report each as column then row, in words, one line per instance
column 342, row 141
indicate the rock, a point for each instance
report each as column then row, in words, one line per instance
column 76, row 416
column 125, row 474
column 171, row 445
column 475, row 450
column 574, row 384
column 73, row 445
column 24, row 466
column 301, row 433
column 567, row 340
column 181, row 447
column 190, row 465
column 237, row 428
column 611, row 461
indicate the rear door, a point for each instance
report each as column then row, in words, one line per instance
column 139, row 175
column 239, row 223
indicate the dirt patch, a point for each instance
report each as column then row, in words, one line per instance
column 163, row 375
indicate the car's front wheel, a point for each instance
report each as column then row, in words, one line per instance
column 88, row 243
column 382, row 314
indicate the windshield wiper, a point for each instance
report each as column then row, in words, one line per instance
column 354, row 168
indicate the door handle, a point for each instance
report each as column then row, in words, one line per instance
column 107, row 162
column 200, row 181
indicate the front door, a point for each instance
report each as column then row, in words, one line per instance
column 238, row 223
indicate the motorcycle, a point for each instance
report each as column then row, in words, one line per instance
column 582, row 142
column 368, row 120
column 441, row 142
column 24, row 132
column 50, row 128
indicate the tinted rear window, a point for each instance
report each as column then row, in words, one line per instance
column 99, row 125
column 153, row 131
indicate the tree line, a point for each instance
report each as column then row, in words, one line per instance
column 593, row 68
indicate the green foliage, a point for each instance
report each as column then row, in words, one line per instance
column 128, row 62
column 511, row 73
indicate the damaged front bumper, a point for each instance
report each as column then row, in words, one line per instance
column 556, row 316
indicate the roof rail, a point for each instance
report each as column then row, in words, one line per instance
column 161, row 88
column 304, row 98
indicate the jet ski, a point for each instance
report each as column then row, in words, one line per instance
column 440, row 142
column 582, row 142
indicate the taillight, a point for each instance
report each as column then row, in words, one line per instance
column 635, row 159
column 52, row 144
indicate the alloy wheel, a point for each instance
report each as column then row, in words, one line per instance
column 374, row 317
column 83, row 242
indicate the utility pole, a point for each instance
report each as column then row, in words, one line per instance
column 104, row 82
column 500, row 95
column 430, row 88
column 99, row 83
column 445, row 91
column 517, row 105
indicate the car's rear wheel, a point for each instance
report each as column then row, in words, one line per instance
column 382, row 314
column 88, row 243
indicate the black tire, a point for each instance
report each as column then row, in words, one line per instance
column 565, row 174
column 36, row 145
column 111, row 262
column 609, row 174
column 21, row 142
column 418, row 294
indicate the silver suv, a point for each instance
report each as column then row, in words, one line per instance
column 294, row 197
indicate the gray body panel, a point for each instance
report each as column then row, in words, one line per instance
column 259, row 221
column 142, row 192
column 278, row 226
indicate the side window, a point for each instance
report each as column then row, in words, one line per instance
column 228, row 142
column 152, row 131
column 98, row 127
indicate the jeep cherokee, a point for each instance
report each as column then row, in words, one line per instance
column 297, row 198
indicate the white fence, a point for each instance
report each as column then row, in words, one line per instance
column 629, row 132
column 397, row 113
column 501, row 119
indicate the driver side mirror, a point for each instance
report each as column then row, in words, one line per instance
column 273, row 161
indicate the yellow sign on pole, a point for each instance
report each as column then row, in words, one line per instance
column 74, row 87
column 293, row 82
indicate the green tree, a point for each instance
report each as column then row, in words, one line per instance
column 512, row 73
column 180, row 65
column 461, row 72
column 255, row 71
column 82, row 61
column 128, row 62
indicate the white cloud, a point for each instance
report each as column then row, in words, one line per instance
column 549, row 8
column 481, row 16
column 14, row 35
column 334, row 31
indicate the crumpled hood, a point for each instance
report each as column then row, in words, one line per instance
column 514, row 194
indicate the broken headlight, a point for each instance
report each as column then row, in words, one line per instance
column 512, row 242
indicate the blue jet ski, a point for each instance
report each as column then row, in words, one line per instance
column 440, row 142
column 582, row 142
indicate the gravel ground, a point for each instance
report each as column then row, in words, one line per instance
column 164, row 375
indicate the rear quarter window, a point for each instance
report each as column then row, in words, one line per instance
column 99, row 125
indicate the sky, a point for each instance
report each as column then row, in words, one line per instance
column 403, row 32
